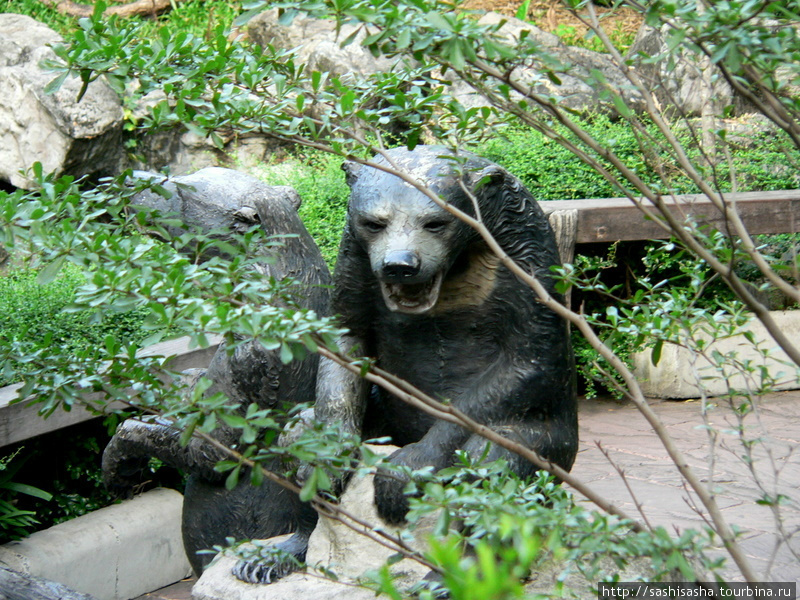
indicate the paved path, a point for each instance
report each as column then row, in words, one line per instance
column 625, row 435
column 629, row 440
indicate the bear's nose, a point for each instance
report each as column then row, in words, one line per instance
column 400, row 265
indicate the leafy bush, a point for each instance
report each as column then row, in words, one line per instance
column 40, row 315
column 16, row 522
column 195, row 16
column 759, row 161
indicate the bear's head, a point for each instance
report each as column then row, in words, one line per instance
column 421, row 255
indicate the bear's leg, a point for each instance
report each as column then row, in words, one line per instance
column 211, row 513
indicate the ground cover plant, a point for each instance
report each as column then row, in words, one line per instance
column 343, row 124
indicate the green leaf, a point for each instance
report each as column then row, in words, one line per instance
column 404, row 39
column 51, row 271
column 621, row 107
column 522, row 11
column 347, row 101
column 28, row 490
column 233, row 478
column 187, row 433
column 56, row 83
column 309, row 487
column 438, row 21
column 655, row 356
column 286, row 353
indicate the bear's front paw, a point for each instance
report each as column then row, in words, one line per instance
column 122, row 474
column 390, row 499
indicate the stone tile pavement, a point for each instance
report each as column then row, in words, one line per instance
column 622, row 432
column 625, row 435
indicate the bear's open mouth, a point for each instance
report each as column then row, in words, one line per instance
column 412, row 298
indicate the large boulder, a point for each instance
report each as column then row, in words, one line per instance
column 576, row 68
column 318, row 44
column 64, row 134
column 685, row 82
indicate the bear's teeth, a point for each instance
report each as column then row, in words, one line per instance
column 412, row 298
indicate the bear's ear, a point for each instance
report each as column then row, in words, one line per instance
column 351, row 170
column 491, row 175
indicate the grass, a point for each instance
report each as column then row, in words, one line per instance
column 37, row 314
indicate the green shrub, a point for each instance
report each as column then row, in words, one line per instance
column 192, row 16
column 16, row 522
column 39, row 314
column 761, row 161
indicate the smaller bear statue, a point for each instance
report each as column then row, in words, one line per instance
column 223, row 202
column 422, row 294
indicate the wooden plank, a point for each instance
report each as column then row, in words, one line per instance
column 19, row 422
column 618, row 219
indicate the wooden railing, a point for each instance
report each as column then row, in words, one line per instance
column 618, row 219
column 575, row 221
column 21, row 421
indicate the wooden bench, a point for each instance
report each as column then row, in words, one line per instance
column 618, row 219
column 21, row 421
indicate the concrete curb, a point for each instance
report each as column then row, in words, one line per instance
column 673, row 376
column 115, row 553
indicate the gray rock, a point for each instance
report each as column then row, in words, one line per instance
column 318, row 45
column 66, row 136
column 576, row 90
column 678, row 83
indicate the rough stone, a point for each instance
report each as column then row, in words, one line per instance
column 574, row 90
column 317, row 44
column 64, row 134
column 681, row 84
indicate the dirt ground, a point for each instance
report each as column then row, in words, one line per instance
column 549, row 14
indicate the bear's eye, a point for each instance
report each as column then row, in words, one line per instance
column 436, row 226
column 373, row 226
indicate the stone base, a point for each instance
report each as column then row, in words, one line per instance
column 217, row 583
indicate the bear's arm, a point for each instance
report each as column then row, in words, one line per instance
column 341, row 395
column 528, row 394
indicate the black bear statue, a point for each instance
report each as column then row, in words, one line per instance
column 423, row 295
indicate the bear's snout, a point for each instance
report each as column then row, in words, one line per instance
column 400, row 266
